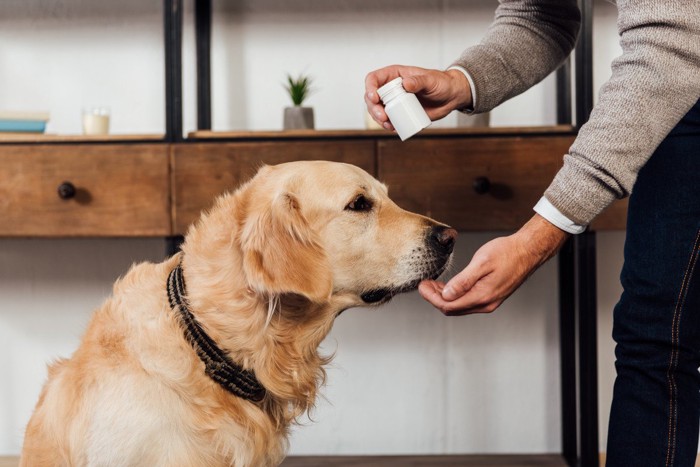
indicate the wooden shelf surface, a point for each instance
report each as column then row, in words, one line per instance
column 208, row 135
column 55, row 138
column 311, row 134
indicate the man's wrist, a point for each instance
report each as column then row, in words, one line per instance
column 547, row 210
column 462, row 89
column 543, row 239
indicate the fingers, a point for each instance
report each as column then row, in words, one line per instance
column 376, row 111
column 376, row 79
column 457, row 286
column 470, row 291
column 465, row 280
column 380, row 77
column 436, row 90
column 467, row 304
column 418, row 83
column 373, row 81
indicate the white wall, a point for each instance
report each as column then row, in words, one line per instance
column 64, row 55
column 405, row 379
column 61, row 56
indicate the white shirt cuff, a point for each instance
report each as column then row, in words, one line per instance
column 472, row 88
column 547, row 210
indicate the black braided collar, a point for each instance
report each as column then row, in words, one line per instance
column 218, row 365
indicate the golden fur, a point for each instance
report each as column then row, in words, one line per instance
column 267, row 271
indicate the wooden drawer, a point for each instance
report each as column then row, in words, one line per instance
column 203, row 171
column 436, row 177
column 121, row 190
column 613, row 218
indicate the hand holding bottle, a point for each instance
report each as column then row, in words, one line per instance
column 439, row 92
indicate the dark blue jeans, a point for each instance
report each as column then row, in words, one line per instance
column 656, row 401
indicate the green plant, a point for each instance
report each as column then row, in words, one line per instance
column 298, row 89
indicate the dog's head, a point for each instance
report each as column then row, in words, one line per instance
column 330, row 233
column 307, row 239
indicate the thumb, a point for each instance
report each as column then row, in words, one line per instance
column 462, row 283
column 417, row 83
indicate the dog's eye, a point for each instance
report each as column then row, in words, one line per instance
column 359, row 204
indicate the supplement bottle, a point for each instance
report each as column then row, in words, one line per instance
column 403, row 109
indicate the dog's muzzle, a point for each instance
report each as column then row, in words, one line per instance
column 441, row 241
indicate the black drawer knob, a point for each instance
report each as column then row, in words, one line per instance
column 481, row 185
column 66, row 190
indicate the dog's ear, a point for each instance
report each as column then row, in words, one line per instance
column 281, row 252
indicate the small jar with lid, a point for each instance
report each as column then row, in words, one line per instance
column 403, row 109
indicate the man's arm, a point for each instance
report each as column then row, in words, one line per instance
column 654, row 83
column 526, row 42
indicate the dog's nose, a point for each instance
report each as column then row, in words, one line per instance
column 443, row 238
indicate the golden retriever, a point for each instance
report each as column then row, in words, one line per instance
column 263, row 274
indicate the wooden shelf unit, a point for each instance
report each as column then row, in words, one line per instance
column 131, row 189
column 154, row 185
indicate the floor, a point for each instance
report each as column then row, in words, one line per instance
column 427, row 461
column 403, row 461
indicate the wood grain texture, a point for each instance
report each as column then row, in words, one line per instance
column 200, row 172
column 126, row 190
column 122, row 190
column 436, row 177
column 613, row 218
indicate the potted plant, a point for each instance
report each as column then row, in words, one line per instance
column 298, row 117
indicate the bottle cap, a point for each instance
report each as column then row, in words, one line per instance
column 391, row 89
column 403, row 109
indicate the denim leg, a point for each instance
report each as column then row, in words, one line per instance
column 655, row 412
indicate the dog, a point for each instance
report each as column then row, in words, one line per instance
column 208, row 358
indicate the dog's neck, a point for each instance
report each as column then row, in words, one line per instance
column 218, row 366
column 283, row 352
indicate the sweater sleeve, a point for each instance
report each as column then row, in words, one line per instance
column 654, row 83
column 526, row 42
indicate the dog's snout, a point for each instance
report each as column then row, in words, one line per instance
column 443, row 238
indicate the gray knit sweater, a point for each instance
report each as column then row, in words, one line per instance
column 654, row 83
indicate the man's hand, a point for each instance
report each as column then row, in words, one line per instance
column 440, row 92
column 497, row 269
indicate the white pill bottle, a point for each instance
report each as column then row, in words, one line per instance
column 403, row 109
